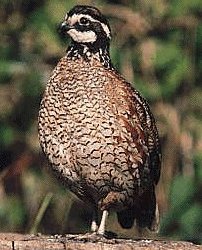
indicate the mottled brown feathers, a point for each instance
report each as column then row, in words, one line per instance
column 100, row 137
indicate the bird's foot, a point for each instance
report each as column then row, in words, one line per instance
column 89, row 237
column 109, row 235
column 95, row 236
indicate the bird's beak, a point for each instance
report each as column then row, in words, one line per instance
column 64, row 27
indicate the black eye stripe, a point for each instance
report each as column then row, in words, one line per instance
column 93, row 26
column 82, row 28
column 98, row 28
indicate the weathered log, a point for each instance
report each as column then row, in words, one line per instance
column 9, row 241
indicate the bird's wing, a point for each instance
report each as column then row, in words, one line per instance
column 134, row 114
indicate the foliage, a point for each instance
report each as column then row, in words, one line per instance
column 157, row 45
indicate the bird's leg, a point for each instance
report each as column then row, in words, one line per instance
column 113, row 199
column 101, row 229
column 94, row 226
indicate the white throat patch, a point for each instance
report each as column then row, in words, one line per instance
column 82, row 37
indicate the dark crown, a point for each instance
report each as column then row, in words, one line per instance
column 88, row 10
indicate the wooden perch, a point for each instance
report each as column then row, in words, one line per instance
column 9, row 241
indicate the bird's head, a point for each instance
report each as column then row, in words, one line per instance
column 86, row 25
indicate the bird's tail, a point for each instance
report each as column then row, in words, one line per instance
column 145, row 213
column 126, row 217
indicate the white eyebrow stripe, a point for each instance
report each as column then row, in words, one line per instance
column 66, row 17
column 106, row 29
column 76, row 17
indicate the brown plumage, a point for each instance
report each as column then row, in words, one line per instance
column 97, row 132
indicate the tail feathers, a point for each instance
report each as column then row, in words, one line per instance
column 126, row 218
column 148, row 219
column 148, row 213
column 145, row 213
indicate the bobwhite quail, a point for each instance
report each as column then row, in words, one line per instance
column 96, row 130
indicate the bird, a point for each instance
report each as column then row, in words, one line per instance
column 97, row 131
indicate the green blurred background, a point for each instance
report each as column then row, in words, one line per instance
column 156, row 44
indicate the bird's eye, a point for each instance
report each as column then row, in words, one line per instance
column 84, row 21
